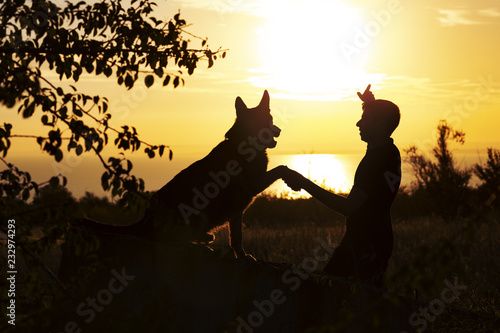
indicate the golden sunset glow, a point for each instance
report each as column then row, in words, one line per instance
column 435, row 61
column 325, row 170
column 299, row 53
column 250, row 165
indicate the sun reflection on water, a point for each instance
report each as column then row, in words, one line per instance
column 326, row 170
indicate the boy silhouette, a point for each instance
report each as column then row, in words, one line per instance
column 367, row 244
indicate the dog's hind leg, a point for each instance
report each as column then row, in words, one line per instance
column 235, row 234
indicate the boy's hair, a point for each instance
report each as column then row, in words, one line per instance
column 386, row 110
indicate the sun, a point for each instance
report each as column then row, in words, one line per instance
column 300, row 50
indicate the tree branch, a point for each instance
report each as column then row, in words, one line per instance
column 33, row 137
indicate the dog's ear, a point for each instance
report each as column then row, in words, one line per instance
column 264, row 102
column 240, row 106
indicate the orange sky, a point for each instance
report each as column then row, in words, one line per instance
column 432, row 60
column 435, row 59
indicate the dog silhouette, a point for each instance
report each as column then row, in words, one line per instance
column 219, row 187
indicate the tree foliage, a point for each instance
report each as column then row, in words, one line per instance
column 444, row 183
column 102, row 39
column 489, row 174
column 75, row 41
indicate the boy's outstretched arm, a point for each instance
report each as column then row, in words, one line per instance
column 344, row 205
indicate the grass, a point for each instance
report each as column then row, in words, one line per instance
column 427, row 250
column 288, row 245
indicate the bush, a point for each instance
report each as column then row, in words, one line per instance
column 445, row 185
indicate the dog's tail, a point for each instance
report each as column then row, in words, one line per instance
column 138, row 229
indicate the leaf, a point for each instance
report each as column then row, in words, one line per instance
column 98, row 68
column 176, row 82
column 150, row 153
column 166, row 81
column 79, row 149
column 149, row 80
column 129, row 81
column 162, row 148
column 63, row 111
column 28, row 111
column 54, row 181
column 76, row 74
column 89, row 68
column 159, row 71
column 170, row 154
column 58, row 155
column 108, row 71
column 77, row 112
column 104, row 181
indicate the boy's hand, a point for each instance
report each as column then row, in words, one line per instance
column 367, row 95
column 293, row 179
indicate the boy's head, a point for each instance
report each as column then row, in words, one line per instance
column 380, row 118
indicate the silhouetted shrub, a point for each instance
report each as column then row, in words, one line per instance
column 446, row 185
column 489, row 173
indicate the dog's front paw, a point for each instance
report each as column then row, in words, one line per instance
column 281, row 170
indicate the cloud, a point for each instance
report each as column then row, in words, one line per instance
column 444, row 94
column 453, row 17
column 457, row 17
column 220, row 6
column 306, row 84
column 490, row 12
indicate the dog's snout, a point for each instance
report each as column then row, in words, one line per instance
column 276, row 130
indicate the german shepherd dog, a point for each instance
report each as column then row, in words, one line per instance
column 219, row 187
